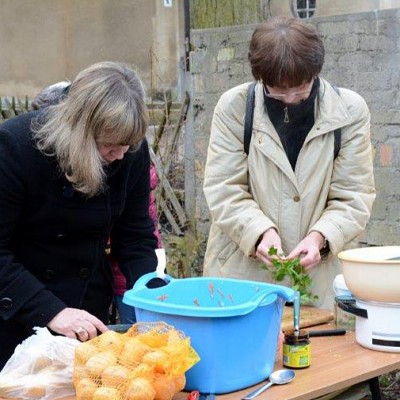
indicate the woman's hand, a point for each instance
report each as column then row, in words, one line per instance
column 308, row 250
column 76, row 324
column 270, row 238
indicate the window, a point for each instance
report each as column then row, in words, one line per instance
column 303, row 8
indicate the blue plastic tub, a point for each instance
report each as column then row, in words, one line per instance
column 233, row 325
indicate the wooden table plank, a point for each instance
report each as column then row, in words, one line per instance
column 337, row 362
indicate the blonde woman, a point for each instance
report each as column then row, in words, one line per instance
column 71, row 176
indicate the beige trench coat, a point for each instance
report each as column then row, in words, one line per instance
column 248, row 195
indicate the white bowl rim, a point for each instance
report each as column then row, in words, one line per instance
column 371, row 255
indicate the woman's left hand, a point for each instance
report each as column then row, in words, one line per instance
column 308, row 250
column 76, row 323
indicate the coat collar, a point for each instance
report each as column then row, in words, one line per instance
column 328, row 102
column 331, row 103
column 330, row 114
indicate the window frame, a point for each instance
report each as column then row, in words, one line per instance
column 309, row 11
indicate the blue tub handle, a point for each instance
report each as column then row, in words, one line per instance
column 144, row 280
column 286, row 294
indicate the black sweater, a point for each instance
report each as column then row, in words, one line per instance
column 301, row 119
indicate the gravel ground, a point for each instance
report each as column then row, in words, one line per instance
column 390, row 386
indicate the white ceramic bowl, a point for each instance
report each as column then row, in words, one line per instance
column 373, row 273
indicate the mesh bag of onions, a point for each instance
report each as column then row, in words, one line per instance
column 148, row 362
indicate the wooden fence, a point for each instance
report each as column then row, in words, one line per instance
column 166, row 196
column 10, row 107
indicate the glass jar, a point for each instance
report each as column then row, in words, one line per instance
column 343, row 319
column 296, row 349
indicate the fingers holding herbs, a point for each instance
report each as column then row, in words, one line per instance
column 269, row 239
column 308, row 250
column 291, row 268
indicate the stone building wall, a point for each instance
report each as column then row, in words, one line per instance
column 45, row 41
column 362, row 53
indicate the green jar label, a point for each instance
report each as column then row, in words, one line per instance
column 297, row 356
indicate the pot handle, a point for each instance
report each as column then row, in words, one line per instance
column 348, row 304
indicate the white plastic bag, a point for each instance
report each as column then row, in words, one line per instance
column 40, row 368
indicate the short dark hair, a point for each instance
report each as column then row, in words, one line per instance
column 285, row 52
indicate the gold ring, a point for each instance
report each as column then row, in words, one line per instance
column 80, row 331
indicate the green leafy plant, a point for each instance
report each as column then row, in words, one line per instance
column 299, row 279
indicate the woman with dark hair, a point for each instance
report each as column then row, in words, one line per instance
column 290, row 191
column 71, row 176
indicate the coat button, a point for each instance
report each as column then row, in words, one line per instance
column 296, row 199
column 6, row 303
column 84, row 273
column 68, row 191
column 48, row 274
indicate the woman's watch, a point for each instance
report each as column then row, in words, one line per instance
column 325, row 247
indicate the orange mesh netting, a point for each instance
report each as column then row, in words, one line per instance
column 148, row 362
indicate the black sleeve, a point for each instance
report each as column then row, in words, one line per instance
column 22, row 296
column 132, row 239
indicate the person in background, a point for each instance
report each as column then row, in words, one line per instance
column 289, row 192
column 52, row 95
column 71, row 176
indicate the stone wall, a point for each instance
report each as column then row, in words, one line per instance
column 362, row 53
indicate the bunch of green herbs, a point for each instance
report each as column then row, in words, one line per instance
column 299, row 279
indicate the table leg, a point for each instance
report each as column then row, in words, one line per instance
column 374, row 388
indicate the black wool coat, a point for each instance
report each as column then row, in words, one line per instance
column 53, row 239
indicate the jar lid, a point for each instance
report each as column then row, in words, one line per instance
column 294, row 337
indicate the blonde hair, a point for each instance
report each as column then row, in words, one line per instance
column 105, row 103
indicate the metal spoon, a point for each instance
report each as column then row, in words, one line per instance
column 279, row 377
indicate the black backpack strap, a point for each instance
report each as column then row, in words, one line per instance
column 338, row 139
column 248, row 117
column 337, row 133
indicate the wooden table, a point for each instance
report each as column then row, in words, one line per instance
column 337, row 363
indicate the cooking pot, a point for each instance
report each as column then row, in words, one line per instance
column 377, row 324
column 372, row 273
